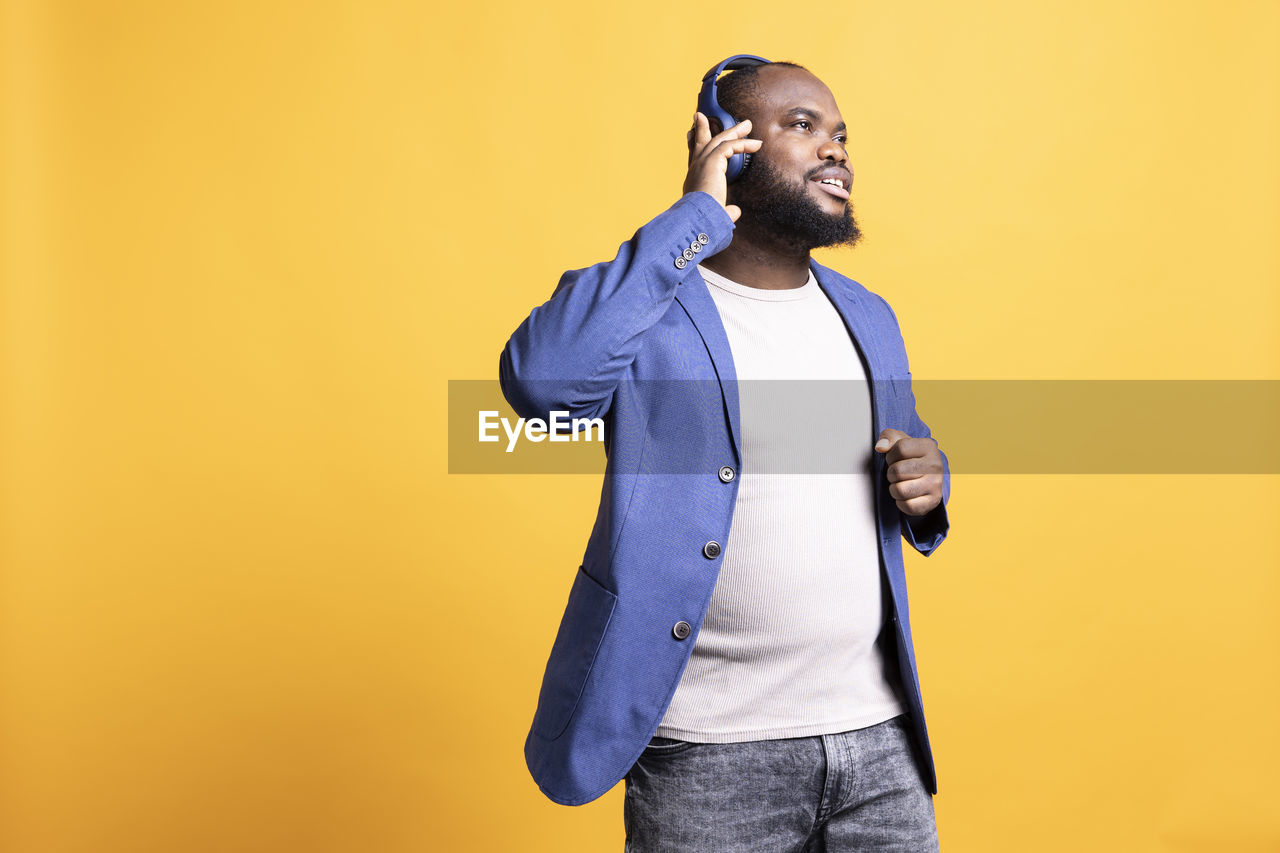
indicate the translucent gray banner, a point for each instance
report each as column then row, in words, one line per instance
column 984, row 426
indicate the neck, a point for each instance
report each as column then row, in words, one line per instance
column 759, row 259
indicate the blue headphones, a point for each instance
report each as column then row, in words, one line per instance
column 710, row 107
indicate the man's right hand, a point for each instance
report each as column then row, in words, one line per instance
column 709, row 160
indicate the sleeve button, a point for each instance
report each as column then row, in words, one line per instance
column 704, row 239
column 680, row 262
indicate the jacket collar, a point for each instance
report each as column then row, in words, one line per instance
column 850, row 302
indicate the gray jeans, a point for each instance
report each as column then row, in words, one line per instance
column 853, row 791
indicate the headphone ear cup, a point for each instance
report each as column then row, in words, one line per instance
column 737, row 167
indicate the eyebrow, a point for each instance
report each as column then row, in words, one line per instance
column 811, row 112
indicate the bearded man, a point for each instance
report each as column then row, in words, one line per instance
column 736, row 645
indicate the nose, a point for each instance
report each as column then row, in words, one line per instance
column 832, row 150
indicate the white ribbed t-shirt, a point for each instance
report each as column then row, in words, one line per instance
column 791, row 643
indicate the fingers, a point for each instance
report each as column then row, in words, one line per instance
column 919, row 506
column 709, row 168
column 896, row 445
column 888, row 438
column 917, row 487
column 917, row 495
column 709, row 158
column 721, row 153
column 702, row 138
column 911, row 467
column 915, row 471
column 701, row 131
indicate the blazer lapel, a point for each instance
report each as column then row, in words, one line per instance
column 862, row 327
column 693, row 296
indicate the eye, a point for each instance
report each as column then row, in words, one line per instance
column 802, row 122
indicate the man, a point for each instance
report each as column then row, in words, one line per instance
column 737, row 644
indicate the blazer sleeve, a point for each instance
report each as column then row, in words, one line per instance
column 571, row 352
column 924, row 532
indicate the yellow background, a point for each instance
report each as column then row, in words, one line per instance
column 245, row 245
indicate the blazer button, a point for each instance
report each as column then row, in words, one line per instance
column 681, row 630
column 711, row 550
column 726, row 474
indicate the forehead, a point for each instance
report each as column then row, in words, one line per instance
column 782, row 88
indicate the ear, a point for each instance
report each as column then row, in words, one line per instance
column 716, row 126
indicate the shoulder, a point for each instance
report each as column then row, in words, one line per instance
column 854, row 291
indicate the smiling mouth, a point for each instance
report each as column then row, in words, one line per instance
column 833, row 186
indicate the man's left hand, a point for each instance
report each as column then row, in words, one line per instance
column 915, row 471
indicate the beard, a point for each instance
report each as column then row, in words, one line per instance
column 774, row 206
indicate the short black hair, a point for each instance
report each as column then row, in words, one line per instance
column 736, row 90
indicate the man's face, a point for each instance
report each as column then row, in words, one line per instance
column 804, row 137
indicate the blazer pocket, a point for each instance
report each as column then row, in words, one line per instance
column 586, row 618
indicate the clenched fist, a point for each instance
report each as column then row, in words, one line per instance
column 915, row 471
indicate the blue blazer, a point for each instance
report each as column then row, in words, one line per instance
column 638, row 342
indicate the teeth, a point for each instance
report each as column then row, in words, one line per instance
column 833, row 181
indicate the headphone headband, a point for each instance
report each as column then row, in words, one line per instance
column 733, row 63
